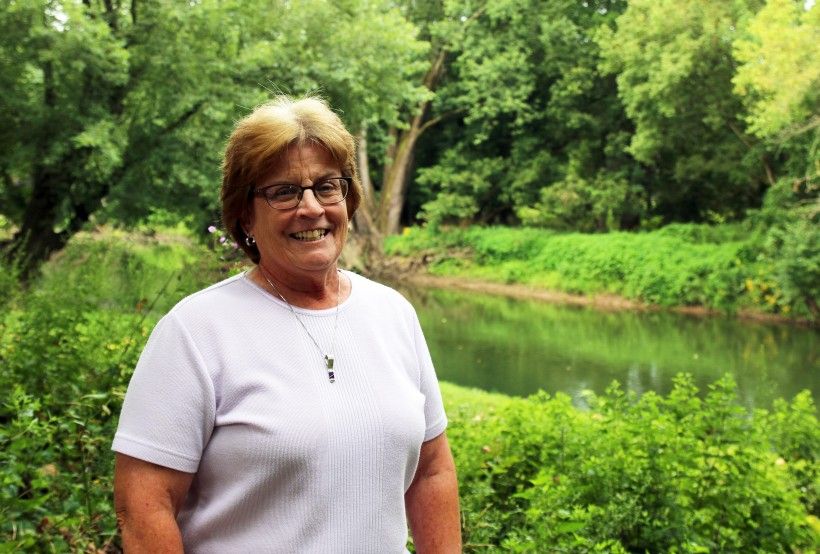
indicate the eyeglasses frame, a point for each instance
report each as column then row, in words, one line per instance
column 261, row 192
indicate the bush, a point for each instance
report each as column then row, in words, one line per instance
column 726, row 267
column 605, row 203
column 795, row 252
column 653, row 474
column 68, row 346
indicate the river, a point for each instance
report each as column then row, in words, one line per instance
column 518, row 346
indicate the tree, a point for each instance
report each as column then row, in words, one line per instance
column 778, row 80
column 443, row 23
column 674, row 69
column 118, row 108
column 779, row 73
column 533, row 114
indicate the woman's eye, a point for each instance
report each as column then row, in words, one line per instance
column 283, row 192
column 327, row 187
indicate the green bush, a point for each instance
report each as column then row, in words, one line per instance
column 603, row 203
column 726, row 267
column 68, row 346
column 679, row 473
column 795, row 253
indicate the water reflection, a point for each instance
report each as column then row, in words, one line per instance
column 518, row 347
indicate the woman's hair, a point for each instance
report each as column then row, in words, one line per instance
column 257, row 144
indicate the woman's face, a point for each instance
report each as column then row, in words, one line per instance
column 307, row 239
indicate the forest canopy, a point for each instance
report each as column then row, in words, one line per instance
column 591, row 116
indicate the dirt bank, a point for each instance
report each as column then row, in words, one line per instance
column 599, row 301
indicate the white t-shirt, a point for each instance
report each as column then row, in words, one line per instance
column 231, row 388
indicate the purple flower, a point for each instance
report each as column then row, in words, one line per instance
column 211, row 229
column 222, row 240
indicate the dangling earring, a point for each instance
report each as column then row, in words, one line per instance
column 249, row 240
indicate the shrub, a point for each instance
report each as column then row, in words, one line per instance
column 679, row 265
column 681, row 473
column 68, row 346
column 604, row 203
column 795, row 251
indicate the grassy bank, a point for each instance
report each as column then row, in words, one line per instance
column 726, row 267
column 651, row 474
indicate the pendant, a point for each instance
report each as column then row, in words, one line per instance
column 329, row 363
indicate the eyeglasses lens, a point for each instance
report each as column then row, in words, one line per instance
column 285, row 197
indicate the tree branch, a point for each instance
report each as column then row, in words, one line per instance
column 763, row 159
column 110, row 15
column 183, row 118
column 789, row 133
column 132, row 159
column 434, row 120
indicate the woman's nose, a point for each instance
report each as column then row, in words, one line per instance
column 309, row 205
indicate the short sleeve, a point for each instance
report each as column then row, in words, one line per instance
column 169, row 409
column 434, row 416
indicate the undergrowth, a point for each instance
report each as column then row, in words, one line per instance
column 681, row 473
column 728, row 267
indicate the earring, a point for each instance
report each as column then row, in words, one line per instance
column 249, row 240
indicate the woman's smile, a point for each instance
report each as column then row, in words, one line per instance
column 311, row 235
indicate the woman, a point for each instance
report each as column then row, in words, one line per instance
column 294, row 407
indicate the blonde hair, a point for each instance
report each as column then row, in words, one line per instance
column 259, row 140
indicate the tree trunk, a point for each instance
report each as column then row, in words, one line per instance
column 814, row 309
column 394, row 186
column 363, row 251
column 369, row 199
column 37, row 239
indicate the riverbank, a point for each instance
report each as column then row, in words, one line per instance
column 691, row 269
column 605, row 302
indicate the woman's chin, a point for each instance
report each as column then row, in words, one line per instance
column 315, row 261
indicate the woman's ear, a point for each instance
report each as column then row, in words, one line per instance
column 247, row 223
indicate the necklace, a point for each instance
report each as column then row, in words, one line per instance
column 329, row 360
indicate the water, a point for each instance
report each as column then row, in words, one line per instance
column 517, row 347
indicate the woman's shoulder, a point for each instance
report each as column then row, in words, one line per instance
column 226, row 294
column 372, row 291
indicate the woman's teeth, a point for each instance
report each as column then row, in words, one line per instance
column 313, row 234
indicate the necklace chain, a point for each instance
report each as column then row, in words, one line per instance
column 329, row 359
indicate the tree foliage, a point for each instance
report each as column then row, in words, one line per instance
column 779, row 73
column 532, row 110
column 118, row 108
column 674, row 69
column 601, row 115
column 591, row 116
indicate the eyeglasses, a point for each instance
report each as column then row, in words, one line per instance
column 286, row 197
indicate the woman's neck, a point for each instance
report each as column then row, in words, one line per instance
column 315, row 292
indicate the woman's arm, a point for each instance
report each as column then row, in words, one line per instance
column 432, row 500
column 147, row 498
